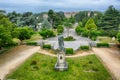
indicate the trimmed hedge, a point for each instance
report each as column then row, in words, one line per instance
column 69, row 50
column 84, row 47
column 102, row 45
column 46, row 46
column 69, row 38
column 32, row 43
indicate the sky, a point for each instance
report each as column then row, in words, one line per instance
column 37, row 6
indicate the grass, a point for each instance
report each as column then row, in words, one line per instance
column 107, row 40
column 41, row 67
column 34, row 37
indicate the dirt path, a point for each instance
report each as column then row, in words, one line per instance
column 111, row 59
column 14, row 58
column 41, row 51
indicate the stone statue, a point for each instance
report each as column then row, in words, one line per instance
column 61, row 43
column 61, row 63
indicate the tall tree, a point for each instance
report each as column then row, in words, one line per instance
column 118, row 37
column 51, row 16
column 90, row 25
column 111, row 19
column 6, row 28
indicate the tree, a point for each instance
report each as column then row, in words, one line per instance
column 51, row 16
column 23, row 32
column 111, row 19
column 72, row 19
column 5, row 37
column 2, row 11
column 68, row 25
column 46, row 33
column 46, row 24
column 60, row 29
column 55, row 18
column 6, row 28
column 80, row 24
column 118, row 37
column 94, row 33
column 90, row 25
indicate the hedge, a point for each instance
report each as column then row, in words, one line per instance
column 46, row 46
column 69, row 51
column 32, row 43
column 102, row 45
column 69, row 38
column 84, row 47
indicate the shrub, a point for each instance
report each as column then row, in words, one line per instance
column 102, row 45
column 45, row 33
column 118, row 37
column 79, row 30
column 84, row 47
column 32, row 43
column 11, row 44
column 46, row 46
column 85, row 34
column 69, row 51
column 69, row 38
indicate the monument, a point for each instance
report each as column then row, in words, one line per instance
column 61, row 63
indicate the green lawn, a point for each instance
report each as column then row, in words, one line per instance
column 41, row 67
column 106, row 39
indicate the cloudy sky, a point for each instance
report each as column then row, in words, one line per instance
column 57, row 5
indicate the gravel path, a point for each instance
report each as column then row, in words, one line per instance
column 16, row 56
column 41, row 51
column 111, row 59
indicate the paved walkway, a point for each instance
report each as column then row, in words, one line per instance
column 111, row 59
column 12, row 59
column 41, row 51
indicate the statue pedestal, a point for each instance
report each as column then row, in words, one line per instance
column 61, row 64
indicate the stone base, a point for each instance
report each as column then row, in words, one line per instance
column 61, row 66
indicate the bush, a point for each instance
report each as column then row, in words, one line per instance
column 102, row 45
column 85, row 34
column 69, row 38
column 46, row 46
column 45, row 33
column 69, row 51
column 118, row 37
column 32, row 43
column 84, row 47
column 79, row 30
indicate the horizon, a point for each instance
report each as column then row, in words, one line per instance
column 38, row 6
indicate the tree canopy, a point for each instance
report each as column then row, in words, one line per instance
column 90, row 25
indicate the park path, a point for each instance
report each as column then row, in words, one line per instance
column 14, row 57
column 111, row 59
column 42, row 51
